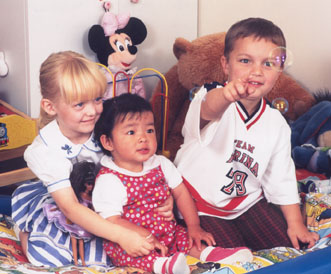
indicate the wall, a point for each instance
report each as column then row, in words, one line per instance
column 40, row 27
column 14, row 87
column 56, row 26
column 31, row 29
column 305, row 23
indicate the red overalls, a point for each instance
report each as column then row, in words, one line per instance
column 145, row 193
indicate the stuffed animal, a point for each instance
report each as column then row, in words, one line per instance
column 311, row 139
column 114, row 42
column 199, row 63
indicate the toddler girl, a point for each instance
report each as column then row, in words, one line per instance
column 133, row 181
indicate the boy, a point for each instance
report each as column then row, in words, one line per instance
column 236, row 154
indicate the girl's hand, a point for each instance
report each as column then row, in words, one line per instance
column 136, row 245
column 166, row 209
column 197, row 234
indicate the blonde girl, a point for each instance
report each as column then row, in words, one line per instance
column 72, row 88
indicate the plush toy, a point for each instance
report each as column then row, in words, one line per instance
column 199, row 63
column 311, row 139
column 114, row 42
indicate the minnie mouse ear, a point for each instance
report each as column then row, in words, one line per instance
column 99, row 43
column 136, row 30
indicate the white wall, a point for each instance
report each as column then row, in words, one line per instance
column 32, row 29
column 306, row 25
column 56, row 26
column 14, row 87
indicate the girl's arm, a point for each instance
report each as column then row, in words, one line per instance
column 188, row 210
column 133, row 243
column 296, row 229
column 118, row 220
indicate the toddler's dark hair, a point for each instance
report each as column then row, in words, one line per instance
column 256, row 27
column 115, row 110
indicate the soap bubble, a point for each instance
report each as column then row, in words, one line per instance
column 281, row 104
column 280, row 58
column 193, row 92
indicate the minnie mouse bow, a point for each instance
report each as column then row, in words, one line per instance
column 111, row 22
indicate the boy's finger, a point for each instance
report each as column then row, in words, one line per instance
column 316, row 236
column 240, row 88
column 190, row 243
column 295, row 242
column 210, row 240
column 198, row 244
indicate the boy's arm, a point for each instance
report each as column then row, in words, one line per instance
column 213, row 105
column 188, row 210
column 217, row 100
column 296, row 229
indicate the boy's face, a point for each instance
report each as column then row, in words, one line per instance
column 250, row 61
column 133, row 141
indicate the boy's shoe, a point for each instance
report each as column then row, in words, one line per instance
column 176, row 264
column 229, row 255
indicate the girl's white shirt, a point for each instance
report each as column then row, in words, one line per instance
column 51, row 156
column 110, row 195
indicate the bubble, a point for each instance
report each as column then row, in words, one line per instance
column 281, row 104
column 193, row 92
column 280, row 58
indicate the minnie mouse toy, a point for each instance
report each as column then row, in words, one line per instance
column 114, row 42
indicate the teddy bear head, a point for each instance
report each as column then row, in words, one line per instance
column 199, row 61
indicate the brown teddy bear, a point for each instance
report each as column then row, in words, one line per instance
column 199, row 62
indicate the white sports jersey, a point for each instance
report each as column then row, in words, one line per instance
column 232, row 162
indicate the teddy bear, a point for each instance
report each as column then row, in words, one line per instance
column 199, row 62
column 311, row 139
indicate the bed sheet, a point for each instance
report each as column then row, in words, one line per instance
column 12, row 259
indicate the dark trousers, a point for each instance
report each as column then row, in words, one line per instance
column 261, row 227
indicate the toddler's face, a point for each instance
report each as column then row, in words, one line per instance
column 133, row 141
column 250, row 62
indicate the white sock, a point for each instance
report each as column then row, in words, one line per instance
column 175, row 264
column 157, row 266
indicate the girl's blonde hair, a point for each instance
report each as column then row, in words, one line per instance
column 69, row 75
